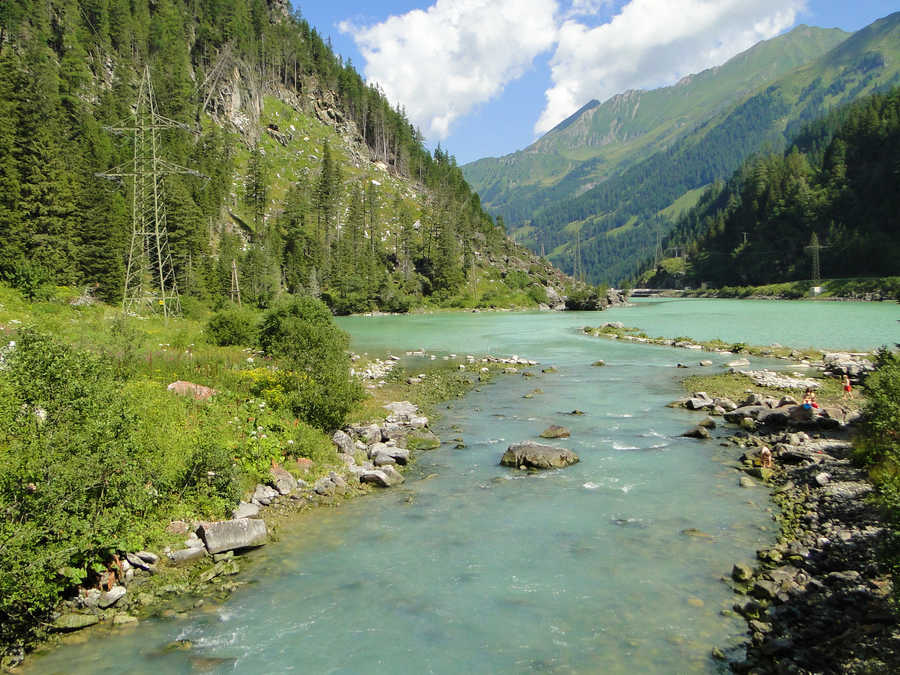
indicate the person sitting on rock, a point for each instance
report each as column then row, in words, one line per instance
column 765, row 458
column 809, row 399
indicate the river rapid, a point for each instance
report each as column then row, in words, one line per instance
column 612, row 565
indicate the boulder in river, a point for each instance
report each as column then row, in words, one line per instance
column 555, row 431
column 697, row 432
column 422, row 439
column 228, row 535
column 537, row 456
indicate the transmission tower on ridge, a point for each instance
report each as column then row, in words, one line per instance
column 149, row 272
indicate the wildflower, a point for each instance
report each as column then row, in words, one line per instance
column 290, row 441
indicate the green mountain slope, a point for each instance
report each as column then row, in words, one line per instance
column 632, row 125
column 836, row 185
column 619, row 219
column 305, row 179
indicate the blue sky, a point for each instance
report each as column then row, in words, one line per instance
column 488, row 77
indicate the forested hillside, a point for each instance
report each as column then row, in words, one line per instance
column 618, row 219
column 301, row 174
column 837, row 186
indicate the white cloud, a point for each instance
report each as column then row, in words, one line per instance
column 653, row 42
column 442, row 62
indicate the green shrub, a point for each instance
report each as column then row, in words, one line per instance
column 33, row 280
column 233, row 326
column 537, row 294
column 85, row 472
column 878, row 446
column 516, row 279
column 301, row 333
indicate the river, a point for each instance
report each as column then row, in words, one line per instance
column 474, row 567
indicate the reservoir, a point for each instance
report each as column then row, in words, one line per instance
column 612, row 565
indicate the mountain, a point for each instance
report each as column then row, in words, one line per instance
column 621, row 200
column 834, row 189
column 285, row 170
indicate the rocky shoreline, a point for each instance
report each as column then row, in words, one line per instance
column 820, row 599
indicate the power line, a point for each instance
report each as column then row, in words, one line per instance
column 149, row 274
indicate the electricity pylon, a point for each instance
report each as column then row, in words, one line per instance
column 814, row 248
column 149, row 273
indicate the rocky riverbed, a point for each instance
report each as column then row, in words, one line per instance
column 820, row 600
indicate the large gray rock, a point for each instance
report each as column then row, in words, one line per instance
column 283, row 481
column 111, row 597
column 138, row 562
column 343, row 442
column 383, row 477
column 698, row 403
column 264, row 494
column 368, row 434
column 393, row 475
column 749, row 411
column 393, row 431
column 402, row 409
column 697, row 432
column 245, row 510
column 537, row 456
column 389, row 454
column 775, row 416
column 228, row 535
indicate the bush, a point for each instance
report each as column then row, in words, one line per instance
column 300, row 332
column 234, row 326
column 33, row 280
column 878, row 446
column 82, row 476
column 537, row 294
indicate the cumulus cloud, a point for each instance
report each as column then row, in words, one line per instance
column 443, row 61
column 650, row 43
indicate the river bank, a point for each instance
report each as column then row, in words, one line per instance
column 371, row 454
column 820, row 598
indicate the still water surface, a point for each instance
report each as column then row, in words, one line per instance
column 473, row 567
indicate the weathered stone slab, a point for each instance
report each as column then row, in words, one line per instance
column 74, row 621
column 228, row 535
column 185, row 555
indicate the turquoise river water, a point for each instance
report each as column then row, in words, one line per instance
column 470, row 567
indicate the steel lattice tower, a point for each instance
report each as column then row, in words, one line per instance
column 149, row 272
